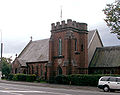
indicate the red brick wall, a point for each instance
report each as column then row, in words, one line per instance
column 17, row 68
column 37, row 68
column 76, row 61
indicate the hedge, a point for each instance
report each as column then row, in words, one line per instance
column 10, row 77
column 80, row 79
column 22, row 77
column 31, row 78
column 85, row 80
column 76, row 79
column 61, row 79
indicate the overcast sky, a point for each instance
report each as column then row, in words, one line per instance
column 21, row 19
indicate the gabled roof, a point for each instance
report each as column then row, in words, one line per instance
column 91, row 35
column 106, row 57
column 35, row 51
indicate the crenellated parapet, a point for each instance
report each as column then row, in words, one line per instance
column 69, row 24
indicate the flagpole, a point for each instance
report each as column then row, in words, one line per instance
column 61, row 13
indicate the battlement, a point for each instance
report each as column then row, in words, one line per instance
column 68, row 24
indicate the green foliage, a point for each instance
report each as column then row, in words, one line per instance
column 62, row 79
column 80, row 79
column 10, row 77
column 40, row 78
column 112, row 12
column 15, row 78
column 85, row 80
column 51, row 80
column 31, row 78
column 6, row 66
column 22, row 77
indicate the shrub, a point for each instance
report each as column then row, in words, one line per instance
column 62, row 79
column 15, row 78
column 30, row 78
column 51, row 80
column 10, row 77
column 23, row 77
column 85, row 80
column 38, row 79
column 80, row 79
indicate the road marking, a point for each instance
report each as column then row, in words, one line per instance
column 13, row 88
column 44, row 92
column 6, row 88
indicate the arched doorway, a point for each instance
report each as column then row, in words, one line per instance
column 59, row 70
column 15, row 70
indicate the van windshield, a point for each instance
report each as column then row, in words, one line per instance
column 104, row 78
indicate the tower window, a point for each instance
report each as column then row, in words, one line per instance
column 75, row 44
column 82, row 47
column 60, row 47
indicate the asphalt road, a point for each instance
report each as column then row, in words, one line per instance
column 16, row 89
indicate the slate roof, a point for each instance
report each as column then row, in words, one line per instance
column 106, row 57
column 35, row 51
column 21, row 61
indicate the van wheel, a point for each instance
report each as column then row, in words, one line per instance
column 106, row 89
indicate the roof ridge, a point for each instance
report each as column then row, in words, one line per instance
column 91, row 39
column 41, row 40
column 25, row 48
column 118, row 46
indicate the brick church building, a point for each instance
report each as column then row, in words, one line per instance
column 69, row 50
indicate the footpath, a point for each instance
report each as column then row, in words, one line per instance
column 51, row 85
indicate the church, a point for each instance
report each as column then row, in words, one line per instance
column 69, row 50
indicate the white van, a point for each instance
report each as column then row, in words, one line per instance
column 109, row 83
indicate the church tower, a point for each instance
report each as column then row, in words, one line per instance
column 68, row 52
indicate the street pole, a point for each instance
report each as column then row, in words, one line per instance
column 1, row 51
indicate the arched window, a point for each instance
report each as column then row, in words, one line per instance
column 28, row 69
column 75, row 44
column 41, row 69
column 32, row 69
column 36, row 69
column 60, row 47
column 45, row 72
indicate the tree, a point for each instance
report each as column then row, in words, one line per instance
column 6, row 66
column 112, row 12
